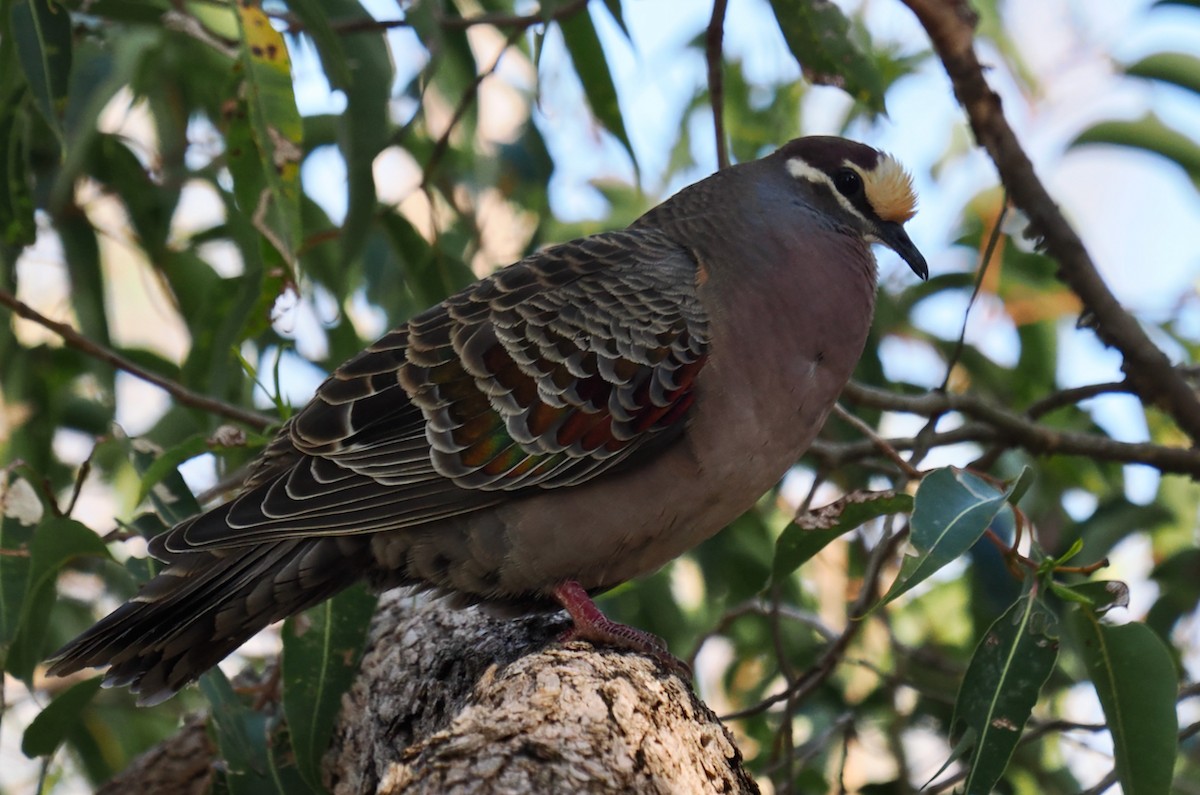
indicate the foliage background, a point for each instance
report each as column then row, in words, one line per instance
column 403, row 160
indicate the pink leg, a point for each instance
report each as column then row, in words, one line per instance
column 595, row 627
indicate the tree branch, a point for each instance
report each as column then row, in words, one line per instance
column 950, row 25
column 716, row 80
column 176, row 390
column 995, row 424
column 518, row 22
column 464, row 103
column 453, row 700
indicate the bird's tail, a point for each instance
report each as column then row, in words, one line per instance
column 204, row 605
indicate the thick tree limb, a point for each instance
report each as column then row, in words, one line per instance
column 951, row 27
column 180, row 765
column 455, row 701
column 451, row 700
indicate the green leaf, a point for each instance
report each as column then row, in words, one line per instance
column 240, row 732
column 1020, row 484
column 51, row 726
column 1100, row 595
column 1010, row 665
column 614, row 9
column 172, row 499
column 275, row 124
column 1150, row 134
column 319, row 664
column 818, row 34
column 1175, row 68
column 813, row 531
column 17, row 224
column 1136, row 682
column 56, row 542
column 20, row 513
column 254, row 764
column 81, row 253
column 169, row 462
column 98, row 74
column 366, row 79
column 951, row 511
column 583, row 45
column 43, row 34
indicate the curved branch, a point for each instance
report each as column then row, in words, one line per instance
column 951, row 27
column 176, row 390
column 995, row 424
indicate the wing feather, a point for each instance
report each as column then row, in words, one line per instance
column 546, row 374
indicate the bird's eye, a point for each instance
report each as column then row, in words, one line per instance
column 847, row 181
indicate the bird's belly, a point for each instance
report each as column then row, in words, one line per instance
column 628, row 524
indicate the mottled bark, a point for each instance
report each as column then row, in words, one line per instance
column 180, row 765
column 455, row 701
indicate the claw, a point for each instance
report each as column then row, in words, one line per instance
column 591, row 625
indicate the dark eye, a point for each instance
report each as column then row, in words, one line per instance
column 848, row 182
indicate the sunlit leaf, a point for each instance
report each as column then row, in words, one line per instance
column 813, row 530
column 275, row 122
column 1177, row 68
column 818, row 34
column 591, row 64
column 1150, row 134
column 951, row 511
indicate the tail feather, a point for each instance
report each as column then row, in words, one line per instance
column 206, row 604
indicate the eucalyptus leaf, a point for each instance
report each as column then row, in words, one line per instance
column 813, row 530
column 1136, row 681
column 1010, row 666
column 951, row 511
column 50, row 728
column 320, row 660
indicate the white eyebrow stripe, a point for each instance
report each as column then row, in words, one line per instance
column 802, row 170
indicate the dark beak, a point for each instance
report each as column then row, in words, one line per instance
column 893, row 236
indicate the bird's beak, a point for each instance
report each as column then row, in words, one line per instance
column 892, row 235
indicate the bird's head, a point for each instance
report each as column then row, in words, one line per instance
column 858, row 187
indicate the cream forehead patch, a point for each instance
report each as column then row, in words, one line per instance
column 889, row 189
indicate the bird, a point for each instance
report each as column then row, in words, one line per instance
column 571, row 422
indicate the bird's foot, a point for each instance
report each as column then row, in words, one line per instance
column 592, row 625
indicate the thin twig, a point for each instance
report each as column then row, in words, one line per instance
column 835, row 652
column 464, row 103
column 885, row 448
column 518, row 22
column 996, row 424
column 176, row 390
column 716, row 81
column 985, row 259
column 1069, row 397
column 951, row 28
column 1053, row 402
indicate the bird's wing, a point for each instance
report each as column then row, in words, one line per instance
column 544, row 375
